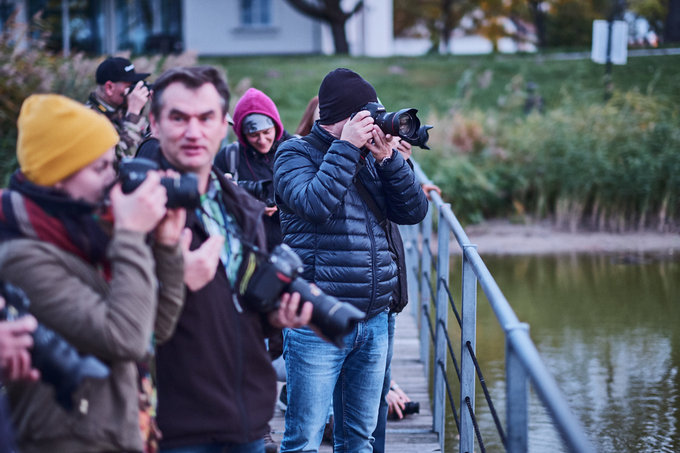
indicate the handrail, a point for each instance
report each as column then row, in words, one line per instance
column 523, row 362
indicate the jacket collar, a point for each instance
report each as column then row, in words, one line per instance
column 322, row 134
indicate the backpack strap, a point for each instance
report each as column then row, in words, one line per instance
column 227, row 159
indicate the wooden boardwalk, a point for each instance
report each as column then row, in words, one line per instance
column 414, row 433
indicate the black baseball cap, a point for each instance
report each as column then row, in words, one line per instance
column 118, row 69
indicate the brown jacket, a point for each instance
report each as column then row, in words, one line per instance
column 111, row 320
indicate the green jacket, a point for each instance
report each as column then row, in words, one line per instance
column 111, row 320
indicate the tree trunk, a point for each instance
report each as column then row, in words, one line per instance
column 539, row 21
column 329, row 11
column 447, row 25
column 339, row 38
column 672, row 29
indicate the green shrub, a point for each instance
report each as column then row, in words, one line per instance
column 611, row 166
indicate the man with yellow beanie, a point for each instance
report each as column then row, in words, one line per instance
column 101, row 268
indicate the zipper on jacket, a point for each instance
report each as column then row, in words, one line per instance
column 374, row 273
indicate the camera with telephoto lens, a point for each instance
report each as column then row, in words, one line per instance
column 182, row 191
column 410, row 407
column 59, row 363
column 278, row 274
column 403, row 123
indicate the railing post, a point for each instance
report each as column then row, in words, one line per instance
column 440, row 351
column 425, row 272
column 517, row 396
column 467, row 366
column 410, row 236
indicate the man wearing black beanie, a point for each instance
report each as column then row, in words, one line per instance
column 339, row 237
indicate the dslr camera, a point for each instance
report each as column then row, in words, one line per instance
column 182, row 191
column 59, row 363
column 278, row 274
column 410, row 407
column 403, row 123
column 148, row 85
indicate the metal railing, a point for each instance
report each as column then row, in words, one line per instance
column 523, row 365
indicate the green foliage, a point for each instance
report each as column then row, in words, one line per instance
column 606, row 166
column 655, row 11
column 570, row 23
column 22, row 73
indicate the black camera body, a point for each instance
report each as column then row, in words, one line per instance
column 149, row 86
column 279, row 273
column 59, row 363
column 403, row 123
column 410, row 407
column 262, row 190
column 182, row 191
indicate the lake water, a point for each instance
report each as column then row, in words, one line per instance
column 608, row 329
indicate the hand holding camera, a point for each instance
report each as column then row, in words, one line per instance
column 15, row 344
column 292, row 312
column 403, row 123
column 265, row 288
column 59, row 363
column 142, row 209
column 402, row 146
column 359, row 129
column 380, row 145
column 137, row 96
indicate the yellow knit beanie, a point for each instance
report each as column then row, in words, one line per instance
column 59, row 136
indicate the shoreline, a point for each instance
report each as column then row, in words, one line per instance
column 501, row 237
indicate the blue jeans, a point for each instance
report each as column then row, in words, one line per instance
column 352, row 376
column 256, row 446
column 379, row 433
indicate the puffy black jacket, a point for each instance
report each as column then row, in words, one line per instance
column 325, row 220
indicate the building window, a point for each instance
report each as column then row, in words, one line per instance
column 256, row 13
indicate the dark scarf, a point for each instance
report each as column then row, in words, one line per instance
column 46, row 214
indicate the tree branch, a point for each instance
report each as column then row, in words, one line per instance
column 308, row 9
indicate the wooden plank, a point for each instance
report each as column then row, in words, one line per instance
column 413, row 433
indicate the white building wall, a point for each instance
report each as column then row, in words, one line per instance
column 212, row 27
column 370, row 32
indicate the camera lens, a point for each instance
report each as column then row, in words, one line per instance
column 405, row 124
column 333, row 318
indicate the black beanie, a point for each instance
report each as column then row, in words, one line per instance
column 343, row 92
